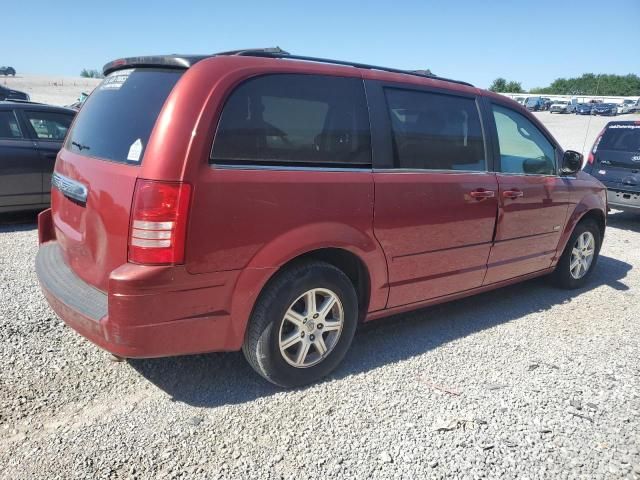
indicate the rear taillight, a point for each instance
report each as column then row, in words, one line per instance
column 159, row 222
column 592, row 154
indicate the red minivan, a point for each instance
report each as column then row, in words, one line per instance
column 268, row 202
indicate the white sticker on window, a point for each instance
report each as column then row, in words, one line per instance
column 135, row 150
column 602, row 172
column 116, row 79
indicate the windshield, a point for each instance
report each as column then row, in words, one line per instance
column 562, row 102
column 622, row 138
column 116, row 120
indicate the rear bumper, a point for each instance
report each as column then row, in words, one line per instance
column 623, row 200
column 149, row 311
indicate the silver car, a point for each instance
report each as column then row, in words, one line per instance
column 562, row 106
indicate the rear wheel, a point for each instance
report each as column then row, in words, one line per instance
column 579, row 257
column 302, row 324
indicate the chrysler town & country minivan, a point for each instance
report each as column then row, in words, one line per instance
column 268, row 202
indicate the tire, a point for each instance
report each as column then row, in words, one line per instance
column 564, row 276
column 288, row 295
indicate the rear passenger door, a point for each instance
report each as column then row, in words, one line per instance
column 49, row 129
column 533, row 199
column 435, row 196
column 20, row 172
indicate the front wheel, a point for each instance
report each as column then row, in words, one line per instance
column 302, row 324
column 579, row 257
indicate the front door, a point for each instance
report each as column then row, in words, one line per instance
column 20, row 169
column 534, row 200
column 435, row 200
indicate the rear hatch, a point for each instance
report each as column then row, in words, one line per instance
column 617, row 158
column 103, row 153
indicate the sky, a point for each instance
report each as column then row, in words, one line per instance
column 533, row 42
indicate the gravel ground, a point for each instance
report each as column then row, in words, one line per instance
column 528, row 381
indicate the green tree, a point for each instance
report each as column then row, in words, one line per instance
column 498, row 85
column 592, row 84
column 503, row 86
column 514, row 87
column 91, row 73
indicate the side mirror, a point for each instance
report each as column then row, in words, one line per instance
column 571, row 162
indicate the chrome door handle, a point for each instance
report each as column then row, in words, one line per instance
column 512, row 194
column 481, row 193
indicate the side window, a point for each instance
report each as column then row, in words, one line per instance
column 523, row 148
column 435, row 131
column 49, row 125
column 9, row 127
column 295, row 119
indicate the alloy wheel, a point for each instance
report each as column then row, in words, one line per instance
column 582, row 255
column 311, row 328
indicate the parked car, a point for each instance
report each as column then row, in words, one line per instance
column 615, row 161
column 231, row 206
column 584, row 108
column 8, row 71
column 627, row 106
column 78, row 103
column 534, row 104
column 31, row 135
column 605, row 109
column 9, row 94
column 520, row 100
column 562, row 106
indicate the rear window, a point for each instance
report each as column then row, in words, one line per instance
column 116, row 120
column 621, row 138
column 291, row 119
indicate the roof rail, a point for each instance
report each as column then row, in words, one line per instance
column 277, row 52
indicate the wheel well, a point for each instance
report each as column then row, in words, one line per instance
column 598, row 217
column 352, row 266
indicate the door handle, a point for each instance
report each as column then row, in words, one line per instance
column 512, row 194
column 481, row 193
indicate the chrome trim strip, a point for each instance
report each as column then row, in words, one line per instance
column 69, row 187
column 426, row 170
column 287, row 168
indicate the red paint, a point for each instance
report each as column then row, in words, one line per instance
column 423, row 238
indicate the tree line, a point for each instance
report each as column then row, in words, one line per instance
column 91, row 73
column 587, row 84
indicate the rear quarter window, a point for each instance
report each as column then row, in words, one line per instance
column 116, row 120
column 291, row 119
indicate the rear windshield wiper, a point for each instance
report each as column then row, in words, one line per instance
column 80, row 146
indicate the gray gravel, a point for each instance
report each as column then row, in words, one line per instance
column 528, row 382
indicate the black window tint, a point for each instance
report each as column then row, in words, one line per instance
column 9, row 127
column 116, row 120
column 621, row 138
column 49, row 125
column 523, row 148
column 299, row 119
column 435, row 131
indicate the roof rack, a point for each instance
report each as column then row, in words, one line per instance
column 186, row 61
column 277, row 52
